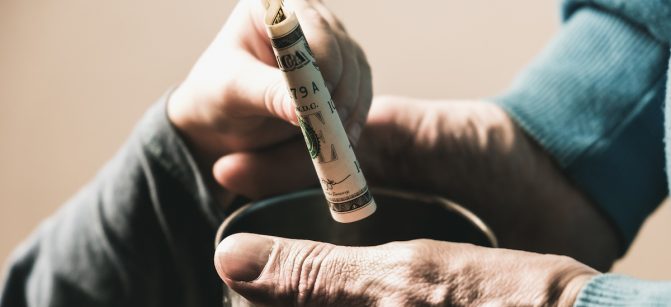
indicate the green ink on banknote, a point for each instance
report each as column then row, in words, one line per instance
column 311, row 138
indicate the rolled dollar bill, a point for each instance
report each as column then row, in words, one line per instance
column 332, row 154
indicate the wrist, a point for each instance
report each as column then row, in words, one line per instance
column 567, row 278
column 526, row 178
column 573, row 288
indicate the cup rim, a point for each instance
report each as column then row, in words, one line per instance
column 425, row 198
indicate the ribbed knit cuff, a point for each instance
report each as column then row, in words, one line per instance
column 615, row 290
column 593, row 100
column 654, row 16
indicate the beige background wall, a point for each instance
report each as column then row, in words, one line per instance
column 75, row 75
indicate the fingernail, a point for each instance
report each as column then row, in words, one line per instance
column 294, row 120
column 242, row 257
column 354, row 133
column 290, row 111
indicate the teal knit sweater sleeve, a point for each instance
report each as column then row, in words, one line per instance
column 593, row 99
column 616, row 290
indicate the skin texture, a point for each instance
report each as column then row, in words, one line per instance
column 235, row 99
column 468, row 151
column 473, row 153
column 235, row 114
column 414, row 273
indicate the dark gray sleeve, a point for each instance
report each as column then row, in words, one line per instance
column 140, row 234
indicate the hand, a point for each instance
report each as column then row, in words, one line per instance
column 468, row 151
column 235, row 99
column 473, row 153
column 282, row 272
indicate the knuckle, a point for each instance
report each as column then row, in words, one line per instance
column 414, row 258
column 312, row 275
column 402, row 256
column 415, row 262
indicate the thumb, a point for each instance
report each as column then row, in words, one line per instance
column 276, row 271
column 260, row 90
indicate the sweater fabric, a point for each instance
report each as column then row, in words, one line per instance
column 140, row 233
column 596, row 100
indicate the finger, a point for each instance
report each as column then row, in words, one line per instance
column 333, row 21
column 275, row 171
column 246, row 27
column 259, row 90
column 283, row 272
column 347, row 89
column 364, row 99
column 321, row 39
column 353, row 104
column 325, row 47
column 249, row 31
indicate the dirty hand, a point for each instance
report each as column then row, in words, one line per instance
column 282, row 272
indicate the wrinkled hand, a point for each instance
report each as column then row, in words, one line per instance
column 281, row 272
column 473, row 153
column 235, row 99
column 468, row 151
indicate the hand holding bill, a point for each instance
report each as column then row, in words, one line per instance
column 235, row 99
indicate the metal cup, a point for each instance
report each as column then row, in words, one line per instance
column 400, row 216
